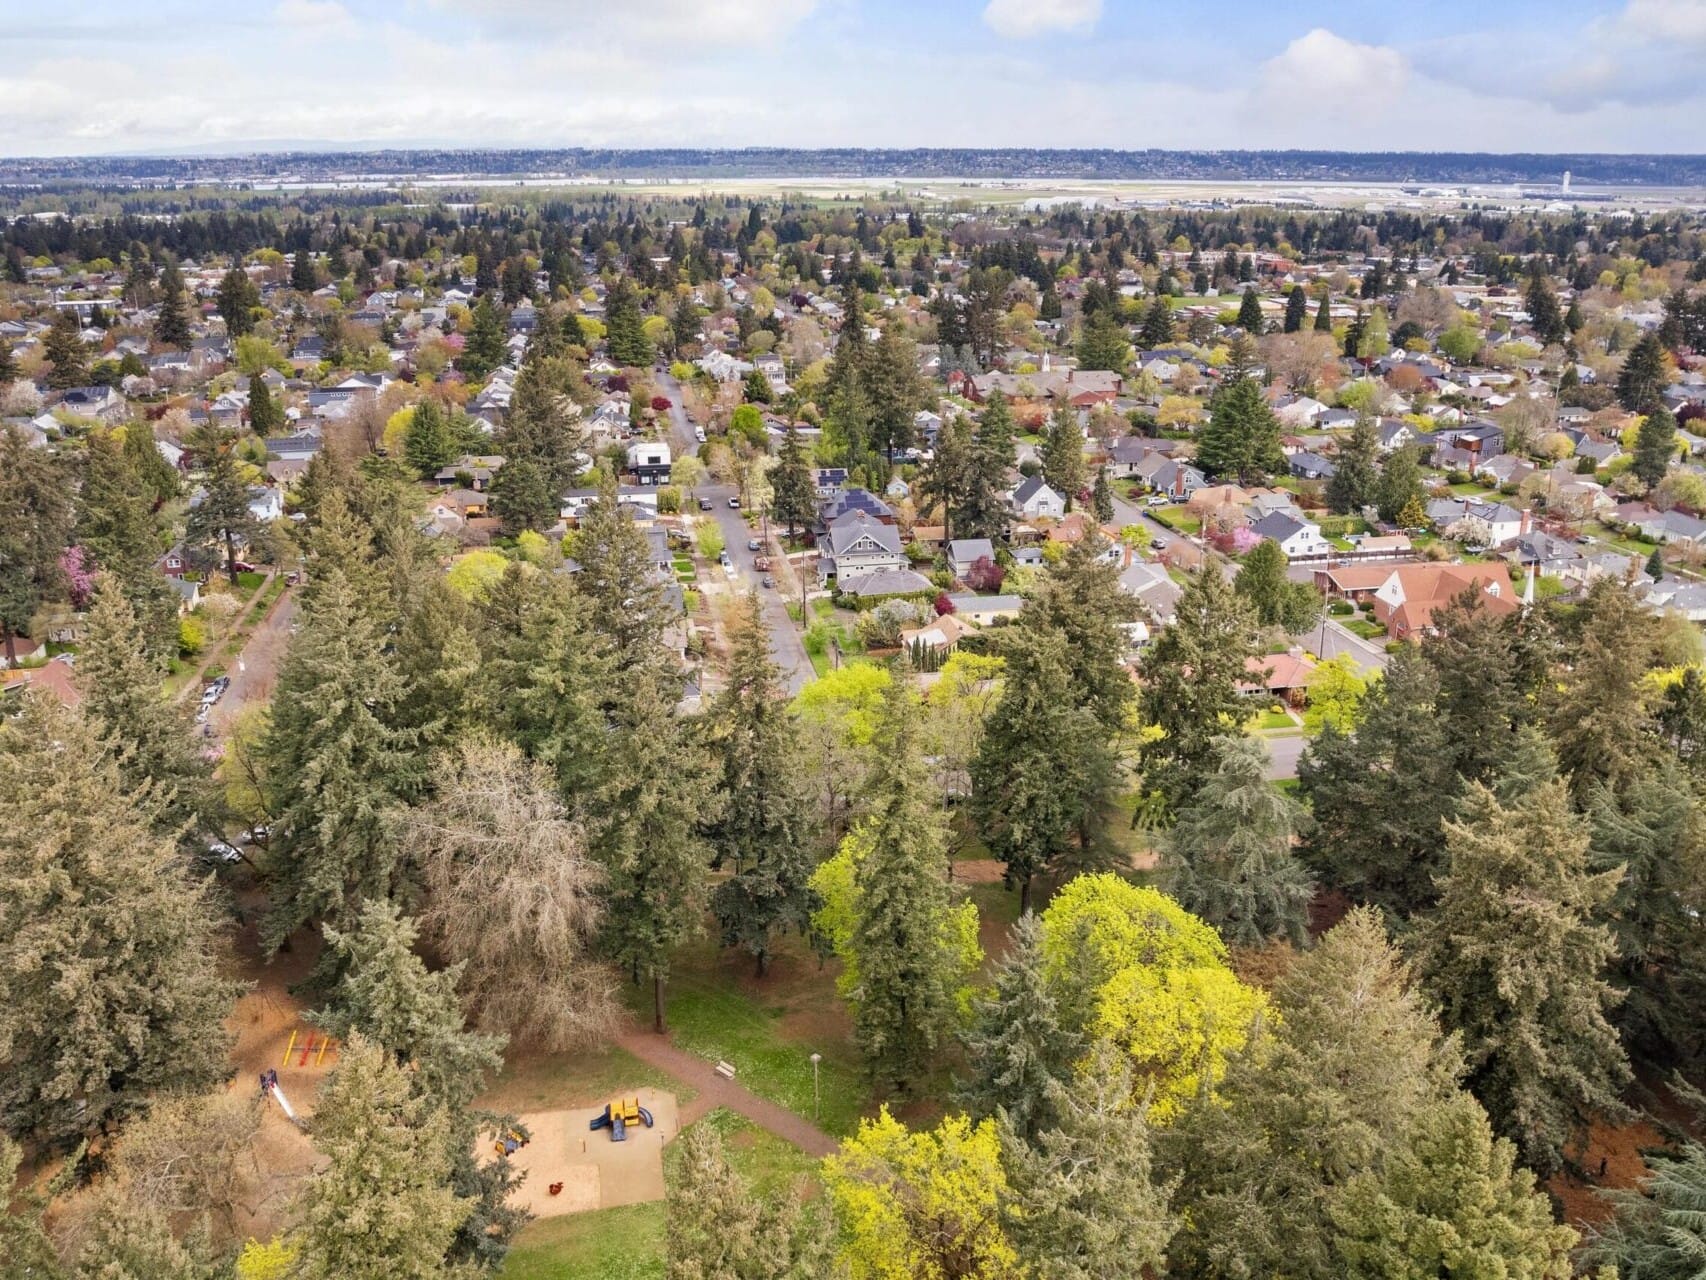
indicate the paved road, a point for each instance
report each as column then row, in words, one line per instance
column 787, row 647
column 256, row 668
column 714, row 1091
column 1283, row 754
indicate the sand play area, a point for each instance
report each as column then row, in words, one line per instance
column 596, row 1173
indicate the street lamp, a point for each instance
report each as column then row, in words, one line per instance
column 816, row 1058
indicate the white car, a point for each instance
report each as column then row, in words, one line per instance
column 699, row 434
column 223, row 851
column 1158, row 500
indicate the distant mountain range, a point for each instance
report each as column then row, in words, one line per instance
column 1427, row 168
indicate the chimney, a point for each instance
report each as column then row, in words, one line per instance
column 1527, row 522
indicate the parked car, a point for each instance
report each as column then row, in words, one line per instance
column 704, row 504
column 256, row 834
column 699, row 434
column 768, row 581
column 223, row 851
column 1158, row 544
column 753, row 544
column 734, row 504
column 1158, row 500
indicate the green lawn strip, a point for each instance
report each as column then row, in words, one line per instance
column 624, row 1243
column 550, row 1081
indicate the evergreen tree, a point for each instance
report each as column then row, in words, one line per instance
column 1102, row 498
column 1658, row 1231
column 1083, row 1201
column 1355, row 482
column 171, row 321
column 1400, row 485
column 627, row 605
column 1518, row 968
column 1324, row 314
column 1063, row 455
column 765, row 833
column 647, row 832
column 1242, row 438
column 523, row 497
column 1655, row 446
column 895, row 390
column 115, row 517
column 336, row 764
column 1250, row 313
column 625, row 338
column 1656, row 564
column 303, row 278
column 486, row 348
column 1352, row 1061
column 1040, row 747
column 1641, row 380
column 147, row 737
column 1229, row 860
column 265, row 416
column 1600, row 726
column 221, row 517
column 900, row 934
column 1544, row 314
column 36, row 496
column 24, row 1241
column 1273, row 597
column 544, row 424
column 8, row 364
column 1103, row 344
column 1296, row 309
column 947, row 478
column 718, row 1226
column 1080, row 598
column 1191, row 679
column 1157, row 329
column 1451, row 1200
column 984, row 510
column 1379, row 795
column 110, row 986
column 381, row 1208
column 238, row 299
column 67, row 355
column 428, row 445
column 1652, row 835
column 1016, row 1045
column 793, row 500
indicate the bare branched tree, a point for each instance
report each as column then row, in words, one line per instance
column 513, row 894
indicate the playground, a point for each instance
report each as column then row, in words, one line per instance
column 590, row 1170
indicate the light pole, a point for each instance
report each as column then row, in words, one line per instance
column 816, row 1058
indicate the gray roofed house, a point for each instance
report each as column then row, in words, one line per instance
column 963, row 553
column 1310, row 466
column 859, row 544
column 1295, row 537
column 885, row 582
column 1036, row 500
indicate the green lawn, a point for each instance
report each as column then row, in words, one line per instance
column 250, row 581
column 768, row 1028
column 1270, row 720
column 1367, row 630
column 625, row 1243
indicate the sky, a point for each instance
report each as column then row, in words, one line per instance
column 116, row 76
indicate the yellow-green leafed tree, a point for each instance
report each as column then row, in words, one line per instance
column 1129, row 964
column 474, row 575
column 274, row 1260
column 1179, row 1026
column 921, row 1205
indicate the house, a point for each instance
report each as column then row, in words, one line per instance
column 1353, row 582
column 473, row 470
column 188, row 592
column 642, row 499
column 886, row 582
column 266, row 503
column 847, row 501
column 1310, row 466
column 1393, row 434
column 1170, row 476
column 298, row 447
column 1034, row 500
column 102, row 403
column 984, row 610
column 963, row 553
column 1284, row 676
column 1673, row 526
column 1503, row 523
column 859, row 544
column 649, row 462
column 174, row 564
column 1503, row 469
column 1297, row 538
column 1601, row 451
column 1407, row 600
column 943, row 633
column 1154, row 589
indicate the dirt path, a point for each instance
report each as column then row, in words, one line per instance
column 714, row 1091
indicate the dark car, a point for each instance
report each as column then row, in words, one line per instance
column 704, row 504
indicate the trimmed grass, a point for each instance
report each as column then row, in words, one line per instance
column 1270, row 720
column 625, row 1243
column 250, row 581
column 1367, row 630
column 768, row 1028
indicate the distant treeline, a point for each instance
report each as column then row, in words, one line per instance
column 925, row 162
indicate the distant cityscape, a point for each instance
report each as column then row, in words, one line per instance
column 1526, row 168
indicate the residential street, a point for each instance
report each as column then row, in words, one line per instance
column 255, row 671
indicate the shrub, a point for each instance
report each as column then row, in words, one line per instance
column 192, row 635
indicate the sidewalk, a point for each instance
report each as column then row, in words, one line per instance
column 714, row 1091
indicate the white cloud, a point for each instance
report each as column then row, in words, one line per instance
column 1325, row 67
column 1018, row 19
column 1666, row 20
column 320, row 15
column 681, row 23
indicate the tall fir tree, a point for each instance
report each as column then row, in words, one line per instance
column 111, row 987
column 1641, row 380
column 220, row 519
column 1324, row 314
column 984, row 511
column 1296, row 309
column 1016, row 1045
column 900, row 934
column 428, row 445
column 265, row 415
column 1157, row 329
column 1355, row 482
column 171, row 320
column 1191, row 679
column 793, row 500
column 1600, row 726
column 1241, row 440
column 67, row 353
column 1400, row 486
column 1655, row 445
column 238, row 300
column 625, row 337
column 36, row 494
column 766, row 832
column 718, row 1225
column 1102, row 498
column 1250, row 313
column 147, row 736
column 485, row 348
column 380, row 1207
column 1518, row 966
column 303, row 277
column 1103, row 344
column 1544, row 314
column 337, row 765
column 1229, row 859
column 1063, row 456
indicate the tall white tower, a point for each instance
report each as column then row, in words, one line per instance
column 1566, row 183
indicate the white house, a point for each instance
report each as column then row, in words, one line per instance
column 859, row 545
column 1295, row 537
column 649, row 460
column 1036, row 501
